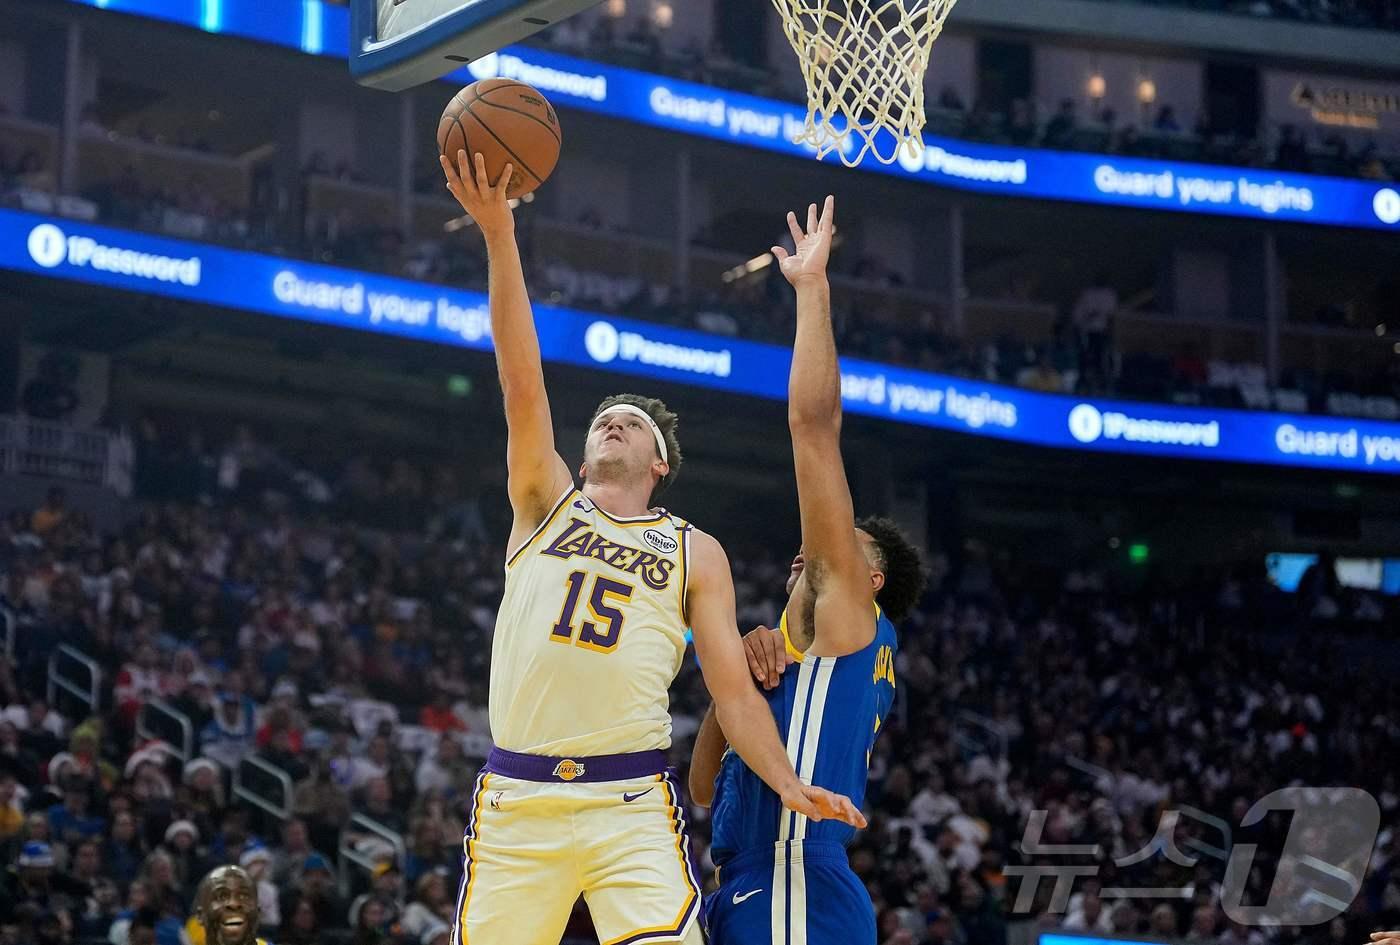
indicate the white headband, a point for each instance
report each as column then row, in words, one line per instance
column 655, row 430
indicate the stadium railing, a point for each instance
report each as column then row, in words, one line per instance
column 263, row 785
column 158, row 719
column 363, row 843
column 7, row 628
column 88, row 691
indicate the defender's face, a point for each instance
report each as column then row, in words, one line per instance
column 621, row 439
column 796, row 571
column 230, row 913
column 799, row 562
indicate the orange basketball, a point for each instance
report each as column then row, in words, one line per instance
column 506, row 121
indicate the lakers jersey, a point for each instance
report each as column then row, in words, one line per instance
column 829, row 711
column 590, row 633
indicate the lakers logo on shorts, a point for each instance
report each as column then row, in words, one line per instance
column 567, row 770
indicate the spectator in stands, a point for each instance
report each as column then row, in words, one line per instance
column 141, row 929
column 138, row 682
column 1292, row 151
column 196, row 699
column 316, row 886
column 11, row 809
column 378, row 804
column 444, row 768
column 1061, row 128
column 187, row 860
column 15, row 759
column 33, row 885
column 950, row 99
column 1020, row 127
column 100, row 910
column 230, row 735
column 372, row 921
column 438, row 716
column 1041, row 375
column 87, row 863
column 302, row 928
column 70, row 822
column 1165, row 121
column 123, row 852
column 289, row 859
column 52, row 393
column 1093, row 320
column 386, row 886
column 431, row 905
column 257, row 862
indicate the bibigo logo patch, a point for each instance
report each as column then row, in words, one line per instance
column 662, row 543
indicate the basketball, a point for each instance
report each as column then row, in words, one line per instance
column 507, row 122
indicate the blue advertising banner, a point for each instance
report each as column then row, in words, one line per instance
column 96, row 255
column 751, row 121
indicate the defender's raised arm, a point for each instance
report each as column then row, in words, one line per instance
column 835, row 562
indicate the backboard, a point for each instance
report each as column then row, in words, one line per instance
column 397, row 44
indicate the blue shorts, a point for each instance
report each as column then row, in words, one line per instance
column 800, row 893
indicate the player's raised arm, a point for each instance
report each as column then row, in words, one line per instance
column 743, row 716
column 537, row 475
column 835, row 562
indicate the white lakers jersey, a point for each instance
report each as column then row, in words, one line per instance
column 590, row 634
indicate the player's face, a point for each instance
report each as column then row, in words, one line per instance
column 796, row 571
column 230, row 910
column 866, row 544
column 620, row 442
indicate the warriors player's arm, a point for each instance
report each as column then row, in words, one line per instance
column 536, row 473
column 705, row 759
column 836, row 566
column 742, row 713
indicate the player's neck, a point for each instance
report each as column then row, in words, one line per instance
column 617, row 499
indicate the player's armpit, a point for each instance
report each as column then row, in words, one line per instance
column 837, row 569
column 705, row 759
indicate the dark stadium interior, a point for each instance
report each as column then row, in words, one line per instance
column 278, row 543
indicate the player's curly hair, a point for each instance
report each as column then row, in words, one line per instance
column 901, row 563
column 666, row 421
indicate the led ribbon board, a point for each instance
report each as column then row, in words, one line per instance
column 309, row 292
column 770, row 125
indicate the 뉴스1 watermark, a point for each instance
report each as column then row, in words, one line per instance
column 1320, row 868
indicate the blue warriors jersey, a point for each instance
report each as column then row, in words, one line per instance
column 774, row 864
column 829, row 709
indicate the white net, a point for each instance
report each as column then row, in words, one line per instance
column 864, row 63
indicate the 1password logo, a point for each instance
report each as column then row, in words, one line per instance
column 47, row 245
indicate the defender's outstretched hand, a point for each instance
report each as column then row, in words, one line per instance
column 813, row 246
column 487, row 205
column 821, row 804
column 1385, row 938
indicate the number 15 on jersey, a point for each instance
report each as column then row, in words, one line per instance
column 604, row 630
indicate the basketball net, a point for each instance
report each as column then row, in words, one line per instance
column 864, row 63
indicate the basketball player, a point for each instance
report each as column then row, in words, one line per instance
column 600, row 587
column 226, row 905
column 784, row 879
